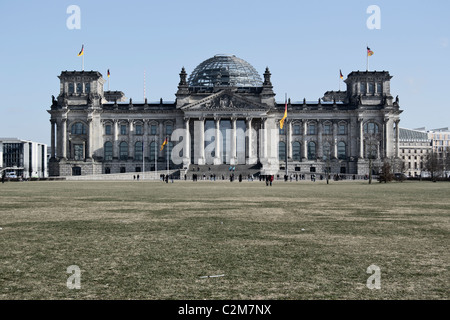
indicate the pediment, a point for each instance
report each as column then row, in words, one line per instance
column 225, row 101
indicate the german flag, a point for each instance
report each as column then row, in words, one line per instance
column 82, row 51
column 369, row 52
column 108, row 73
column 341, row 76
column 164, row 143
column 284, row 117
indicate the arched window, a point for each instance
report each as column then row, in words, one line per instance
column 326, row 151
column 78, row 128
column 312, row 151
column 152, row 151
column 342, row 150
column 108, row 150
column 138, row 151
column 71, row 87
column 282, row 151
column 123, row 151
column 371, row 127
column 296, row 156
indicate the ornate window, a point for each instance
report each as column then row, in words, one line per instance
column 79, row 87
column 108, row 150
column 87, row 87
column 327, row 128
column 342, row 150
column 138, row 151
column 123, row 129
column 371, row 127
column 138, row 129
column 342, row 129
column 169, row 129
column 71, row 88
column 379, row 88
column 296, row 148
column 108, row 129
column 78, row 128
column 311, row 128
column 297, row 129
column 282, row 151
column 153, row 129
column 312, row 151
column 123, row 151
column 363, row 88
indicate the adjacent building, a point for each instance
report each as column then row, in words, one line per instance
column 25, row 158
column 414, row 147
column 225, row 113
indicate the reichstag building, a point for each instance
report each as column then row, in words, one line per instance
column 225, row 114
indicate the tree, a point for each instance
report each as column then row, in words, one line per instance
column 386, row 174
column 433, row 165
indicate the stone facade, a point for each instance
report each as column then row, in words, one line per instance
column 94, row 132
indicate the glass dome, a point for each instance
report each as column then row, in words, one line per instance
column 225, row 70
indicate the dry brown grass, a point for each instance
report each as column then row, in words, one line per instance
column 151, row 240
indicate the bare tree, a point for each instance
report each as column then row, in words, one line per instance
column 386, row 174
column 433, row 164
column 372, row 144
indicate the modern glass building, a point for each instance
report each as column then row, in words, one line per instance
column 26, row 159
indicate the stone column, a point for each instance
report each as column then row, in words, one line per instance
column 233, row 157
column 200, row 152
column 116, row 139
column 397, row 137
column 361, row 138
column 305, row 142
column 319, row 140
column 388, row 138
column 89, row 140
column 64, row 138
column 250, row 157
column 130, row 139
column 217, row 152
column 187, row 143
column 264, row 138
column 289, row 141
column 335, row 132
column 144, row 141
column 53, row 135
column 58, row 139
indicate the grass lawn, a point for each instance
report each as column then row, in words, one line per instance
column 152, row 240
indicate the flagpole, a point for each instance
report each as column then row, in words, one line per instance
column 339, row 80
column 167, row 151
column 156, row 163
column 82, row 62
column 367, row 55
column 143, row 160
column 286, row 152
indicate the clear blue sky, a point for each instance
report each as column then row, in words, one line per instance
column 304, row 43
